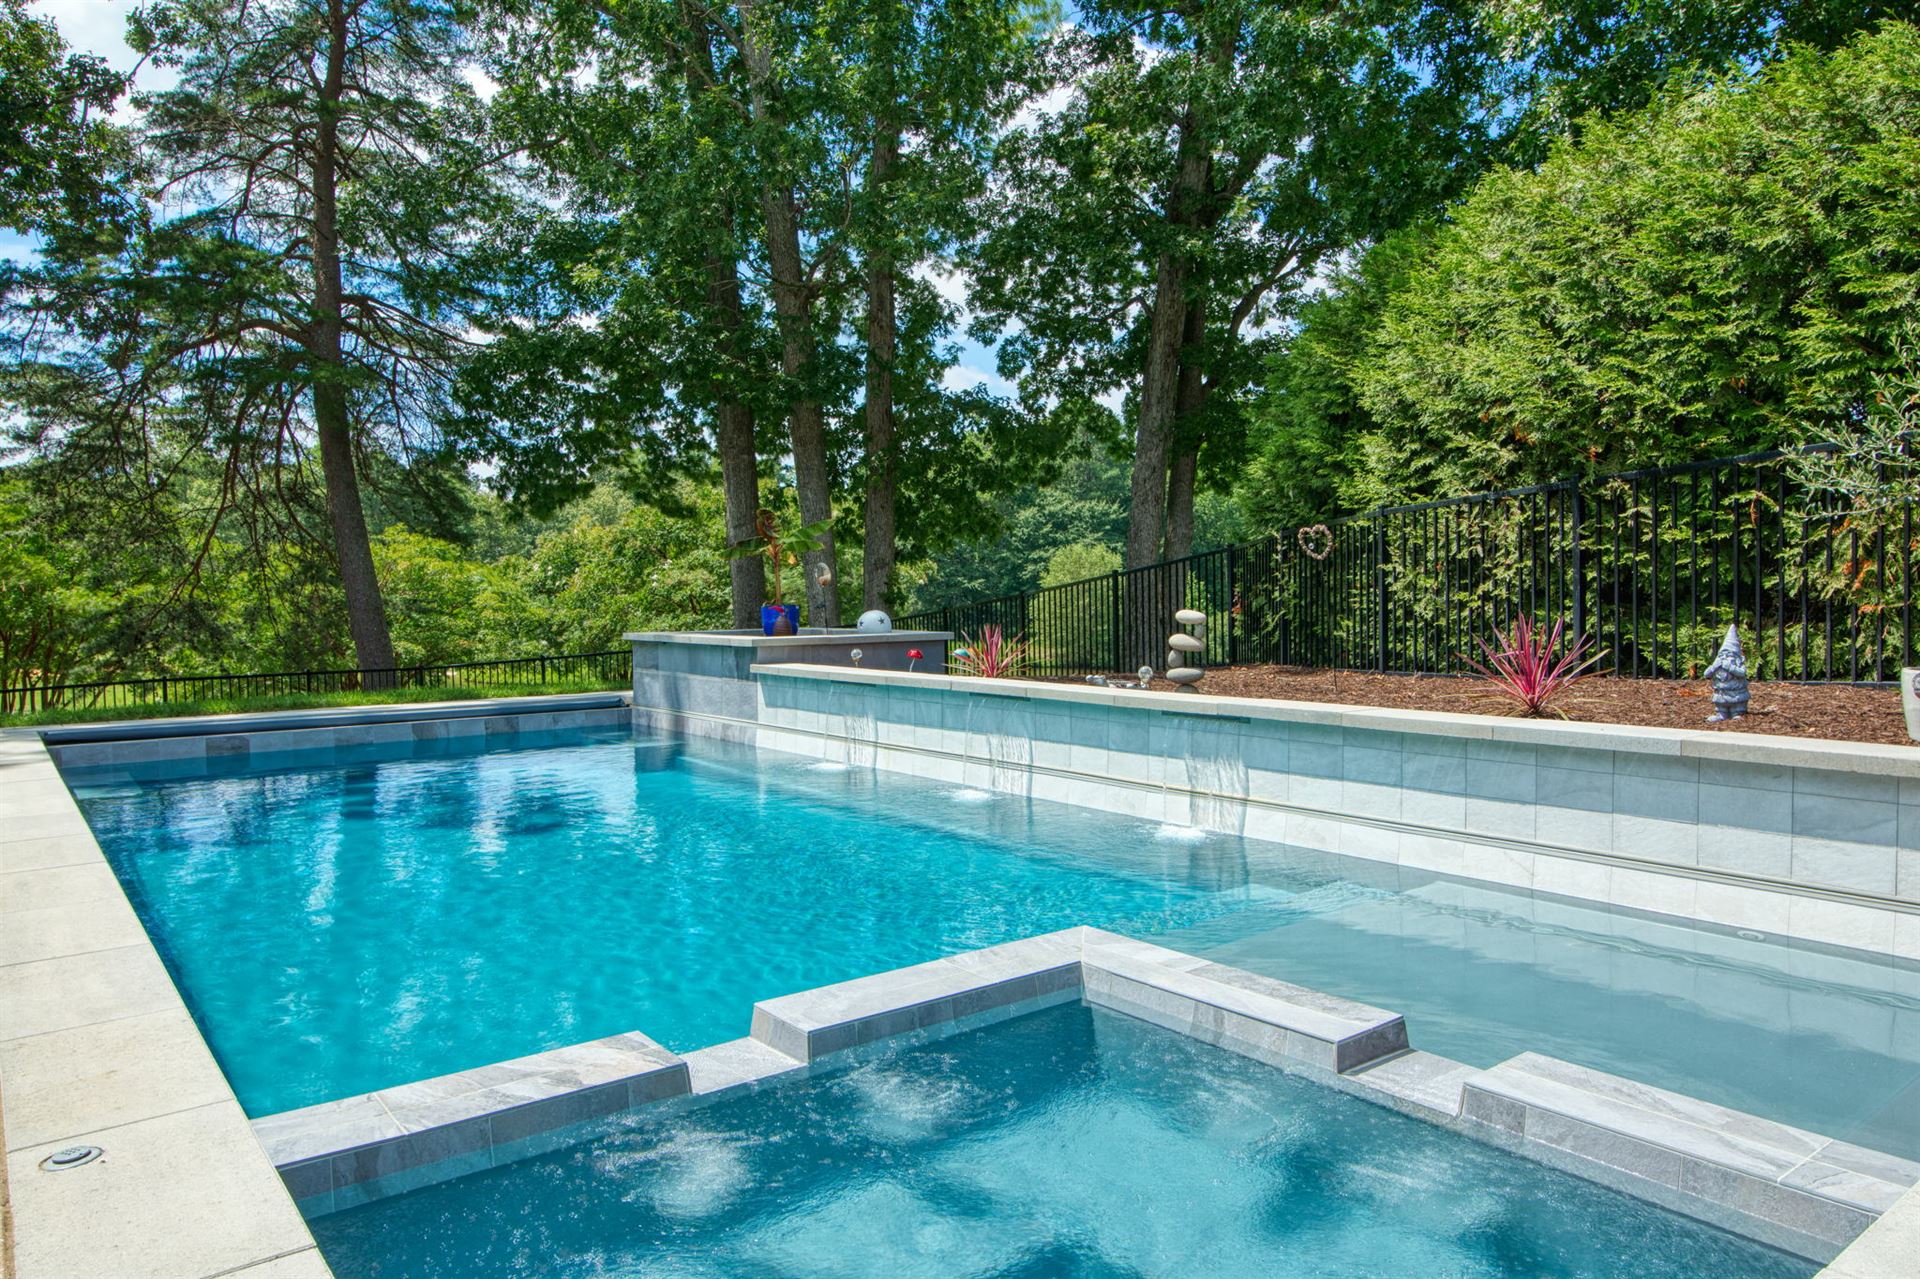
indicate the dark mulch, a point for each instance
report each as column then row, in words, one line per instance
column 1840, row 711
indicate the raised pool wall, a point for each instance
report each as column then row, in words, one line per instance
column 708, row 675
column 1783, row 836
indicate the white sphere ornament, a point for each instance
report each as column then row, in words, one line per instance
column 874, row 621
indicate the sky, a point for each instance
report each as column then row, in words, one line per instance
column 98, row 27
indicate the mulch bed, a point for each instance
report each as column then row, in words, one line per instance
column 1840, row 711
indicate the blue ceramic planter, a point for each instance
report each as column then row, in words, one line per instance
column 780, row 619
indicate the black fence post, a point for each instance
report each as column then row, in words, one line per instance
column 1380, row 586
column 1579, row 601
column 1233, row 605
column 1113, row 584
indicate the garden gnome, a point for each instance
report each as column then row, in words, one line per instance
column 1729, row 676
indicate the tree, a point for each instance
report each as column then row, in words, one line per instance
column 58, row 149
column 635, row 331
column 1302, row 423
column 1209, row 158
column 309, row 292
column 927, row 85
column 1728, row 269
column 1581, row 61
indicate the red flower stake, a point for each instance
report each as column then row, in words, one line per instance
column 913, row 656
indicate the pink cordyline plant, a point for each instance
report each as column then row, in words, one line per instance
column 1528, row 667
column 992, row 656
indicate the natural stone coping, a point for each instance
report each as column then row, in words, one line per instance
column 1786, row 1177
column 324, row 717
column 1255, row 1015
column 1743, row 748
column 97, row 1048
column 468, row 1119
column 1889, row 1247
column 831, row 1019
column 1848, row 1174
column 758, row 639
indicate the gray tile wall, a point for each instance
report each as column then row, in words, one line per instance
column 1814, row 852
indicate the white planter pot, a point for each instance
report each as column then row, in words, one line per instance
column 1910, row 700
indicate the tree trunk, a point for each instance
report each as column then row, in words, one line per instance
column 1180, row 478
column 1147, row 503
column 733, row 432
column 1187, row 438
column 366, row 611
column 732, row 417
column 793, row 306
column 1159, row 387
column 877, row 569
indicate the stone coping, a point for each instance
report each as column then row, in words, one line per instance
column 1787, row 1187
column 1789, row 1179
column 1741, row 748
column 97, row 1048
column 462, row 1122
column 323, row 717
column 759, row 639
column 1889, row 1247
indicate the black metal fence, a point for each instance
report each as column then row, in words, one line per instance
column 608, row 668
column 1651, row 565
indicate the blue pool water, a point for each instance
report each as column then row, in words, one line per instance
column 1072, row 1142
column 345, row 927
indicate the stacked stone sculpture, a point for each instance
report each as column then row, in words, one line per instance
column 1185, row 645
column 1729, row 676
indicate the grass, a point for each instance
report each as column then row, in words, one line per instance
column 298, row 702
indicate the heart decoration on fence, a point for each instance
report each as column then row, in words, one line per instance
column 1316, row 540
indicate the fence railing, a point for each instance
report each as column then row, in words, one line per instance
column 611, row 667
column 1651, row 565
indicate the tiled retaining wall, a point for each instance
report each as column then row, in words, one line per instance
column 1818, row 840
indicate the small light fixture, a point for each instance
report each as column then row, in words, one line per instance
column 71, row 1157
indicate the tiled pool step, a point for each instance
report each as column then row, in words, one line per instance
column 1794, row 1189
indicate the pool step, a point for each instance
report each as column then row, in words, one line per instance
column 1684, row 1153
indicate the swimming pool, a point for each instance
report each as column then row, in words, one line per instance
column 343, row 927
column 1068, row 1142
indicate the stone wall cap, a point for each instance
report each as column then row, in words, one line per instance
column 808, row 635
column 1871, row 758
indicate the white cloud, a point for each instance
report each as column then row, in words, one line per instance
column 93, row 26
column 99, row 27
column 952, row 284
column 1045, row 107
column 484, row 85
column 965, row 377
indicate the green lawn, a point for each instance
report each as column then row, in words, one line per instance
column 301, row 701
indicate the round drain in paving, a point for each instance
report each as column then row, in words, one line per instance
column 71, row 1157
